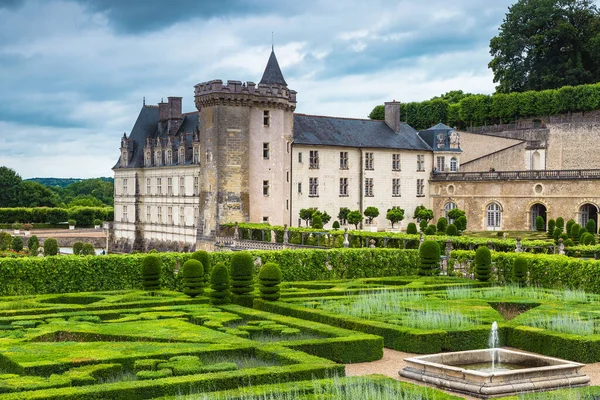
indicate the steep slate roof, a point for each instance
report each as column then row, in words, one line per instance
column 272, row 74
column 332, row 131
column 440, row 126
column 430, row 137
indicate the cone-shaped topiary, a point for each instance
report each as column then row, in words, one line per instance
column 551, row 227
column 483, row 264
column 219, row 283
column 192, row 272
column 556, row 234
column 151, row 266
column 317, row 222
column 242, row 278
column 50, row 247
column 411, row 228
column 17, row 244
column 336, row 225
column 204, row 258
column 568, row 226
column 574, row 232
column 429, row 256
column 33, row 244
column 442, row 224
column 269, row 278
column 590, row 226
column 560, row 223
column 452, row 230
column 520, row 270
column 540, row 224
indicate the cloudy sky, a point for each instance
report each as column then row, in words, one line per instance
column 73, row 72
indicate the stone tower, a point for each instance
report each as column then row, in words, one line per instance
column 245, row 133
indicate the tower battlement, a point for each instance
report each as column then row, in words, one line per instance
column 244, row 94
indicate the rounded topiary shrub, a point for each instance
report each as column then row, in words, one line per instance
column 574, row 232
column 411, row 228
column 317, row 222
column 423, row 225
column 242, row 273
column 50, row 247
column 556, row 234
column 269, row 278
column 483, row 264
column 568, row 226
column 430, row 230
column 33, row 244
column 551, row 227
column 568, row 243
column 219, row 283
column 520, row 270
column 17, row 244
column 540, row 224
column 88, row 250
column 442, row 224
column 336, row 225
column 192, row 273
column 591, row 227
column 560, row 223
column 429, row 258
column 461, row 223
column 151, row 267
column 204, row 258
column 588, row 239
column 77, row 247
column 452, row 230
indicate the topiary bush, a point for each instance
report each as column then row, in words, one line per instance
column 269, row 278
column 411, row 228
column 192, row 273
column 17, row 244
column 88, row 250
column 568, row 243
column 483, row 264
column 551, row 227
column 219, row 283
column 442, row 224
column 50, row 247
column 429, row 258
column 317, row 222
column 77, row 247
column 151, row 267
column 430, row 230
column 556, row 233
column 560, row 223
column 591, row 227
column 336, row 225
column 570, row 223
column 204, row 258
column 452, row 230
column 588, row 239
column 423, row 225
column 242, row 278
column 33, row 244
column 540, row 224
column 574, row 232
column 520, row 270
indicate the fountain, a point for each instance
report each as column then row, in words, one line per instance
column 494, row 372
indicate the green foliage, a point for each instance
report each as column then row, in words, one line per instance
column 306, row 214
column 451, row 230
column 88, row 250
column 219, row 283
column 371, row 213
column 569, row 243
column 343, row 215
column 551, row 227
column 83, row 215
column 33, row 244
column 430, row 230
column 520, row 270
column 50, row 247
column 423, row 225
column 9, row 181
column 556, row 233
column 588, row 239
column 442, row 224
column 354, row 218
column 72, row 222
column 316, row 222
column 569, row 225
column 204, row 258
column 336, row 225
column 193, row 278
column 411, row 228
column 483, row 264
column 395, row 214
column 461, row 223
column 574, row 232
column 560, row 223
column 540, row 225
column 151, row 269
column 77, row 247
column 5, row 240
column 242, row 270
column 422, row 213
column 429, row 257
column 590, row 226
column 17, row 244
column 269, row 278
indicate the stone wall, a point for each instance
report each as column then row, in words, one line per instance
column 573, row 146
column 509, row 159
column 476, row 145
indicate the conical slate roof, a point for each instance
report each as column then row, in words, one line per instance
column 272, row 74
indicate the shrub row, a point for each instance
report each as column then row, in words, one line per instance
column 46, row 215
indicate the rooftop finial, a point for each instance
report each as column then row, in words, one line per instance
column 272, row 42
column 144, row 101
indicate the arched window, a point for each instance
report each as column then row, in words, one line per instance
column 157, row 158
column 147, row 159
column 453, row 164
column 493, row 216
column 447, row 207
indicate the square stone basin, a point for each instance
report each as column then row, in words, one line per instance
column 513, row 372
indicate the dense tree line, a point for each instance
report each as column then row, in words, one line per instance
column 15, row 192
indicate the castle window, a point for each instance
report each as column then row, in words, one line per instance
column 287, row 204
column 169, row 186
column 124, row 158
column 147, row 159
column 148, row 213
column 420, row 162
column 343, row 187
column 287, row 176
column 265, row 188
column 420, row 187
column 493, row 216
column 447, row 207
column 313, row 187
column 368, row 187
column 124, row 186
column 157, row 158
column 441, row 161
column 159, row 214
column 343, row 160
column 196, row 213
column 196, row 155
column 169, row 157
column 266, row 220
column 313, row 159
column 181, row 216
column 182, row 186
column 124, row 216
column 396, row 187
column 170, row 215
column 181, row 157
column 148, row 186
column 395, row 162
column 453, row 164
column 300, row 158
column 266, row 151
column 299, row 187
column 369, row 161
column 196, row 186
column 266, row 118
column 158, row 186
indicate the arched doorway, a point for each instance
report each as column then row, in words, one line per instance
column 537, row 210
column 587, row 212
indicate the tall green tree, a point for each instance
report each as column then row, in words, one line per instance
column 9, row 182
column 546, row 44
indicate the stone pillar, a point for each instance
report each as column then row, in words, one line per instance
column 518, row 247
column 285, row 234
column 346, row 241
column 561, row 247
column 372, row 243
column 250, row 231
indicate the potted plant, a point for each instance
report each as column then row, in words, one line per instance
column 97, row 223
column 17, row 226
column 72, row 223
column 27, row 228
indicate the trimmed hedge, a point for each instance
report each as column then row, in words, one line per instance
column 83, row 215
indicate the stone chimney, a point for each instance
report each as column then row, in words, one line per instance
column 163, row 111
column 392, row 115
column 174, row 107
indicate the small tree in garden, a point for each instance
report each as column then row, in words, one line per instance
column 355, row 218
column 97, row 222
column 451, row 230
column 5, row 240
column 317, row 222
column 455, row 214
column 77, row 247
column 88, row 250
column 336, row 225
column 219, row 283
column 306, row 214
column 33, row 244
column 411, row 228
column 551, row 227
column 371, row 213
column 325, row 217
column 591, row 226
column 423, row 225
column 539, row 224
column 269, row 277
column 429, row 258
column 204, row 258
column 17, row 244
column 574, row 232
column 395, row 214
column 430, row 230
column 520, row 270
column 461, row 223
column 242, row 276
column 192, row 272
column 421, row 213
column 569, row 225
column 560, row 223
column 71, row 222
column 483, row 264
column 343, row 215
column 50, row 247
column 442, row 224
column 151, row 267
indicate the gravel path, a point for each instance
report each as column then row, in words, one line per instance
column 393, row 361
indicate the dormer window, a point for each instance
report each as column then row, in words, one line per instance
column 157, row 158
column 169, row 157
column 181, row 157
column 196, row 155
column 147, row 159
column 124, row 157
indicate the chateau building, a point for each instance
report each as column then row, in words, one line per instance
column 245, row 156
